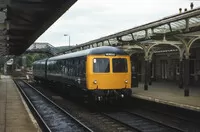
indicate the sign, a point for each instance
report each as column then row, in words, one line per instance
column 110, row 54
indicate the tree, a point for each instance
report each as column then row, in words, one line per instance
column 29, row 60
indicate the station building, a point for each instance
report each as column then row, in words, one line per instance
column 165, row 66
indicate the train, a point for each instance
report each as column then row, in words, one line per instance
column 100, row 73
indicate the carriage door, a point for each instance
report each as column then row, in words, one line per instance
column 164, row 68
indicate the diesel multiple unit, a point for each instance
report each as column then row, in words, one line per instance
column 101, row 73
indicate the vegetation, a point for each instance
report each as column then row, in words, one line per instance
column 62, row 48
column 30, row 58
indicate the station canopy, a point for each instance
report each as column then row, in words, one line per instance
column 164, row 31
column 23, row 21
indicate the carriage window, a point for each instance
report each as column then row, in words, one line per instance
column 119, row 65
column 101, row 65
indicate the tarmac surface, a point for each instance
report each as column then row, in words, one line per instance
column 14, row 114
column 169, row 93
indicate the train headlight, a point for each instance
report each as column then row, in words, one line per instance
column 95, row 81
column 79, row 80
column 126, row 81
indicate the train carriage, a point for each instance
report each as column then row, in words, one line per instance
column 102, row 72
column 39, row 70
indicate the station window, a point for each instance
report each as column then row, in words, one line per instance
column 101, row 65
column 119, row 65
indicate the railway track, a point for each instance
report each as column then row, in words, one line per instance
column 50, row 116
column 118, row 126
column 136, row 119
column 183, row 119
column 86, row 113
column 140, row 123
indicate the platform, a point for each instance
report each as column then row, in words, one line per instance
column 14, row 115
column 169, row 93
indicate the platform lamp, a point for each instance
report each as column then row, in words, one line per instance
column 69, row 38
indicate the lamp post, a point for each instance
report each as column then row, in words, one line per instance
column 69, row 38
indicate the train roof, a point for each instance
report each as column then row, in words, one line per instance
column 92, row 51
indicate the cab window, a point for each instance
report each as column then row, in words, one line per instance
column 101, row 65
column 119, row 65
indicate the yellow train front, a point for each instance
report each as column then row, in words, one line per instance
column 101, row 73
column 108, row 75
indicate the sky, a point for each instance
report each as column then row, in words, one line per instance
column 88, row 20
